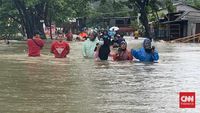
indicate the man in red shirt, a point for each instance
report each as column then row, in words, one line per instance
column 60, row 48
column 35, row 45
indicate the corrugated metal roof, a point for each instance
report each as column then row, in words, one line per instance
column 169, row 22
column 187, row 14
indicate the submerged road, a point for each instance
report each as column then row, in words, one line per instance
column 77, row 85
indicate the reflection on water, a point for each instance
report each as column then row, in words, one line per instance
column 76, row 85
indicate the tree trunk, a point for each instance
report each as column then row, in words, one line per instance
column 145, row 22
column 50, row 22
column 40, row 17
column 157, row 16
column 143, row 15
column 31, row 17
column 50, row 28
column 24, row 15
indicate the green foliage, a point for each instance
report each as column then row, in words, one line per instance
column 106, row 8
column 9, row 25
column 135, row 24
column 142, row 6
column 155, row 5
column 195, row 3
column 169, row 6
column 57, row 11
column 112, row 8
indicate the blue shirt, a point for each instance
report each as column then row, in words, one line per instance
column 143, row 56
column 111, row 33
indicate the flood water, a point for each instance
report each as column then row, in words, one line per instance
column 76, row 85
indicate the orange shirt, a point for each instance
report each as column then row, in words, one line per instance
column 83, row 34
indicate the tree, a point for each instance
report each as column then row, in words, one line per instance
column 111, row 8
column 144, row 8
column 105, row 9
column 140, row 6
column 26, row 15
column 155, row 5
column 9, row 22
column 195, row 3
column 169, row 5
column 31, row 14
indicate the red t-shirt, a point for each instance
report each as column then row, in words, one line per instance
column 60, row 49
column 83, row 35
column 33, row 48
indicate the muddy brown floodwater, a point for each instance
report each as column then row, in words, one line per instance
column 76, row 85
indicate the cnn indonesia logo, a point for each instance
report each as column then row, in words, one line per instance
column 187, row 100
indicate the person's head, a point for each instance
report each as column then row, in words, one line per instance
column 105, row 32
column 78, row 39
column 60, row 36
column 122, row 35
column 36, row 33
column 118, row 36
column 92, row 36
column 147, row 45
column 123, row 45
column 101, row 42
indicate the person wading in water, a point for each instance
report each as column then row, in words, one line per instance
column 123, row 53
column 35, row 45
column 60, row 48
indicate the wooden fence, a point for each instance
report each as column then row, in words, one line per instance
column 189, row 39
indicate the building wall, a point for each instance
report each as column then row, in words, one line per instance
column 191, row 28
column 185, row 29
column 197, row 28
column 112, row 22
column 193, row 18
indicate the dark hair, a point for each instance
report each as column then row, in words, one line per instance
column 122, row 34
column 105, row 32
column 59, row 32
column 36, row 32
column 95, row 49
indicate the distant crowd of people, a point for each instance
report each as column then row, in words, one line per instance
column 97, row 45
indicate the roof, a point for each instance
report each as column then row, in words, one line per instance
column 189, row 15
column 116, row 17
column 180, row 6
column 184, row 4
column 175, row 21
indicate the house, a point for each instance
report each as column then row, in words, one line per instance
column 184, row 22
column 124, row 23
